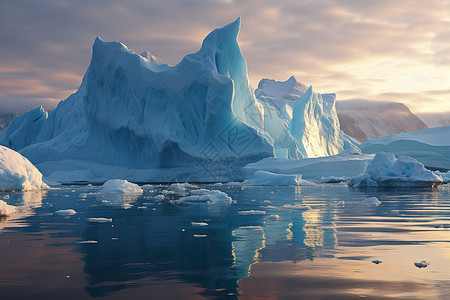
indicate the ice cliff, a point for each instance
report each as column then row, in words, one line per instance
column 197, row 120
column 310, row 117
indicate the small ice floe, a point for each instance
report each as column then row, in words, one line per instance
column 6, row 197
column 119, row 186
column 218, row 184
column 199, row 224
column 422, row 264
column 159, row 197
column 200, row 235
column 99, row 220
column 87, row 242
column 252, row 212
column 273, row 217
column 372, row 201
column 5, row 209
column 66, row 212
column 126, row 206
column 212, row 197
column 376, row 261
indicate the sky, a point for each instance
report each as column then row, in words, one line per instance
column 359, row 49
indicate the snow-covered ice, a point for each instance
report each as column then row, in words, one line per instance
column 430, row 146
column 17, row 173
column 341, row 166
column 386, row 170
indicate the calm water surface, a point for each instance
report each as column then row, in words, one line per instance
column 310, row 242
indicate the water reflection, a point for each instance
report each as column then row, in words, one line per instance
column 309, row 238
column 25, row 202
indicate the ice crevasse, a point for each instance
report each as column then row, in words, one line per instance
column 199, row 119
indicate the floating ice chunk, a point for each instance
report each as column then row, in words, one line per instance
column 212, row 197
column 87, row 242
column 252, row 212
column 17, row 173
column 99, row 220
column 269, row 178
column 66, row 212
column 376, row 261
column 273, row 217
column 5, row 209
column 200, row 235
column 120, row 186
column 199, row 224
column 126, row 206
column 372, row 201
column 422, row 264
column 387, row 170
column 250, row 227
column 6, row 197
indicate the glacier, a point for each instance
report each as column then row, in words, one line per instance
column 134, row 117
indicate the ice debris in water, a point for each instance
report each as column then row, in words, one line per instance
column 159, row 197
column 200, row 235
column 376, row 261
column 119, row 186
column 252, row 212
column 199, row 224
column 422, row 264
column 212, row 197
column 87, row 242
column 273, row 217
column 99, row 220
column 372, row 201
column 65, row 212
column 5, row 209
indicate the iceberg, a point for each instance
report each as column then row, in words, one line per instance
column 386, row 170
column 17, row 173
column 430, row 146
column 198, row 118
column 136, row 118
column 310, row 117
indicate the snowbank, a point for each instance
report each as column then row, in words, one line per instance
column 386, row 170
column 17, row 173
column 430, row 146
column 268, row 178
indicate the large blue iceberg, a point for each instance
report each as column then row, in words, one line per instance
column 197, row 121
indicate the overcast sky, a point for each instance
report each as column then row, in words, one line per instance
column 381, row 50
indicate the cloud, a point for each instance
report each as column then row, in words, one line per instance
column 353, row 46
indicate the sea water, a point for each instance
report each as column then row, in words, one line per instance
column 301, row 242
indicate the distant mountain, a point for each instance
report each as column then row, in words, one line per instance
column 435, row 119
column 5, row 119
column 367, row 119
